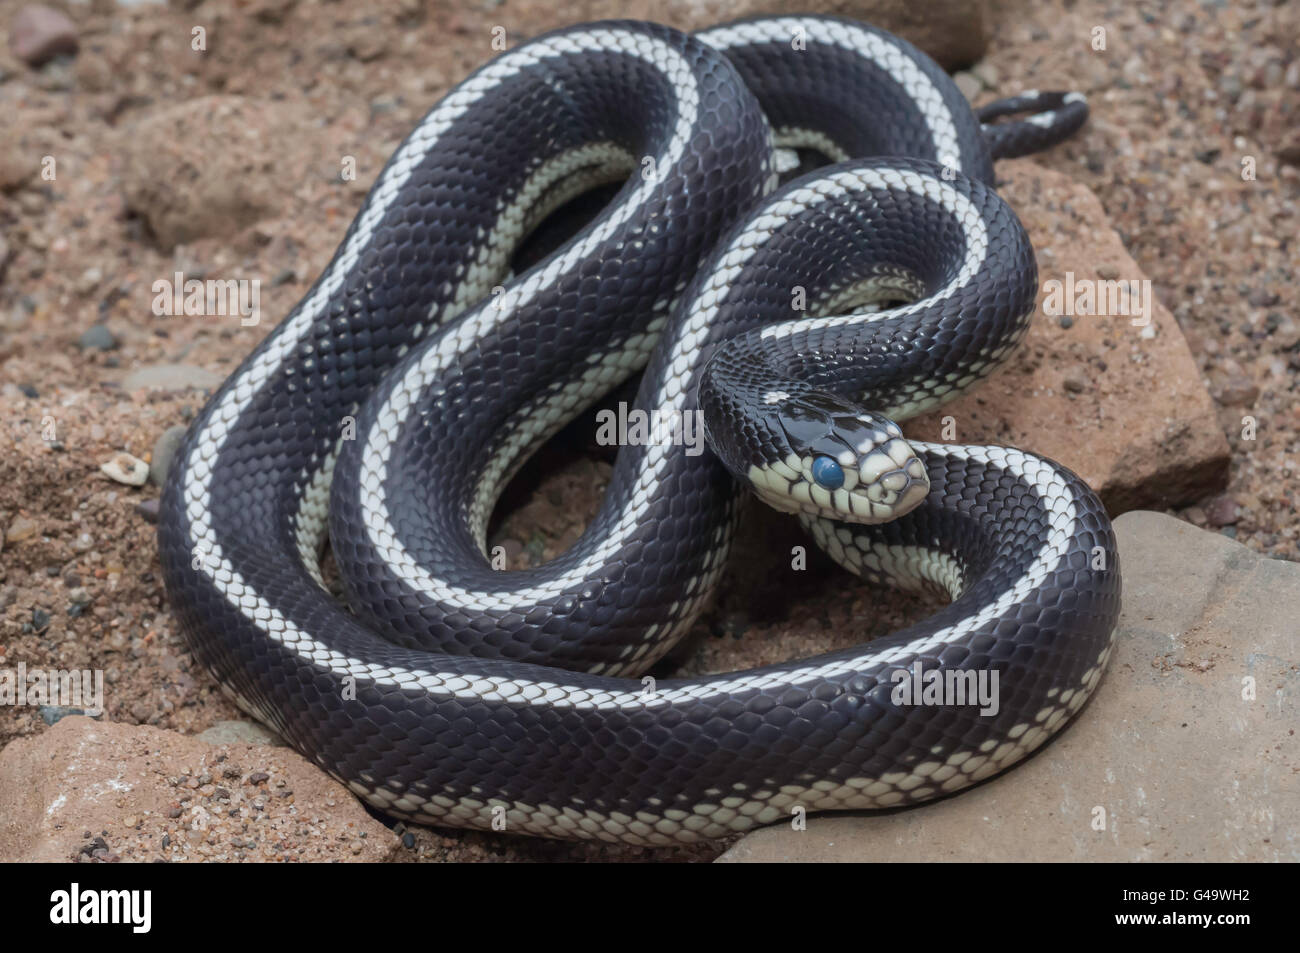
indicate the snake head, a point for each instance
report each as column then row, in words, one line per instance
column 827, row 457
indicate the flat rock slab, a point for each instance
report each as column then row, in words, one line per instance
column 1124, row 406
column 148, row 794
column 1188, row 751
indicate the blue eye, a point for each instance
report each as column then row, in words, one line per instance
column 827, row 473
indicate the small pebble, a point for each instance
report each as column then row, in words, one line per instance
column 89, row 280
column 1222, row 511
column 97, row 337
column 148, row 510
column 1238, row 391
column 969, row 84
column 1284, row 332
column 124, row 468
column 986, row 73
column 22, row 528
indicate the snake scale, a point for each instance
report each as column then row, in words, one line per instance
column 392, row 405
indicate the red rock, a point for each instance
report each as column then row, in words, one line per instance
column 135, row 786
column 1143, row 431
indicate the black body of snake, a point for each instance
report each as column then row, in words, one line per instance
column 418, row 374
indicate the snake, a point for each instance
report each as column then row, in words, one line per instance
column 802, row 246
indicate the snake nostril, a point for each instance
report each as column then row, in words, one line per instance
column 913, row 494
column 895, row 481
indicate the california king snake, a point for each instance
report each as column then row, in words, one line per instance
column 391, row 406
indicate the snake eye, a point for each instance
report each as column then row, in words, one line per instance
column 827, row 473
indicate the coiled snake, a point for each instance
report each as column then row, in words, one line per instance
column 391, row 406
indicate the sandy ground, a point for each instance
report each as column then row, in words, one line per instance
column 1185, row 96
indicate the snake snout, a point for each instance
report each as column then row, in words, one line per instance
column 892, row 481
column 899, row 491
